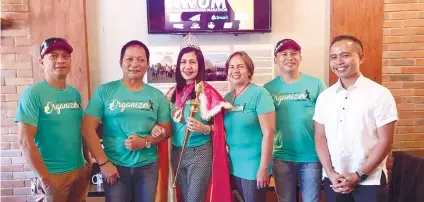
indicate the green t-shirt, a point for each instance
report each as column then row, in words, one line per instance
column 123, row 113
column 244, row 134
column 195, row 139
column 57, row 114
column 294, row 107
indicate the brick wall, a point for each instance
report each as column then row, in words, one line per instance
column 403, row 68
column 16, row 74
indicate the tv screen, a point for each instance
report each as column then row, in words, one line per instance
column 208, row 16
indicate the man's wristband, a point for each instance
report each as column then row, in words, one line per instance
column 104, row 163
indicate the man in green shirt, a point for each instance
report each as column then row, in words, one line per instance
column 49, row 119
column 129, row 110
column 294, row 94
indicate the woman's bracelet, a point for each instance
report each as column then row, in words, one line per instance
column 210, row 130
column 104, row 163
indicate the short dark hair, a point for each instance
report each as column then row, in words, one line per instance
column 350, row 38
column 134, row 43
column 201, row 75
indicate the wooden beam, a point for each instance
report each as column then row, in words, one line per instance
column 65, row 19
column 364, row 20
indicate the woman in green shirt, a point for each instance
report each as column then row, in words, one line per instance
column 250, row 127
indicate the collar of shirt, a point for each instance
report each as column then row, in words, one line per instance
column 360, row 82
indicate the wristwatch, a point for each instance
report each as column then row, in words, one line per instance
column 148, row 144
column 210, row 130
column 362, row 176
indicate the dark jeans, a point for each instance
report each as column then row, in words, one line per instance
column 362, row 193
column 136, row 184
column 248, row 189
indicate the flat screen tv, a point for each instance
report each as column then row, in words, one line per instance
column 208, row 16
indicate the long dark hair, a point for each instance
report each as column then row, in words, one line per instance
column 201, row 75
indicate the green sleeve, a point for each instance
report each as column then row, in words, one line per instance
column 95, row 107
column 321, row 86
column 28, row 109
column 265, row 103
column 164, row 115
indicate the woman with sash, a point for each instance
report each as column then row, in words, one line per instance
column 203, row 169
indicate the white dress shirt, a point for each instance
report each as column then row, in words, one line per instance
column 351, row 118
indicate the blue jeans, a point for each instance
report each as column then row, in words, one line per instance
column 288, row 175
column 136, row 184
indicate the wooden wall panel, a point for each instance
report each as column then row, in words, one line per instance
column 65, row 19
column 363, row 19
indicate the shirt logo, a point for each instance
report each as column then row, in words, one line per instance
column 50, row 107
column 291, row 96
column 115, row 104
column 238, row 108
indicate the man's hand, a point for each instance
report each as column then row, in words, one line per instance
column 158, row 131
column 135, row 142
column 89, row 162
column 110, row 173
column 262, row 178
column 342, row 184
column 352, row 179
column 338, row 183
column 48, row 185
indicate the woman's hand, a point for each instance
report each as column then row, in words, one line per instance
column 158, row 131
column 194, row 125
column 262, row 178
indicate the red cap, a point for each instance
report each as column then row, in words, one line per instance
column 51, row 44
column 286, row 44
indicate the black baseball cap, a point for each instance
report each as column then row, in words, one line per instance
column 51, row 44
